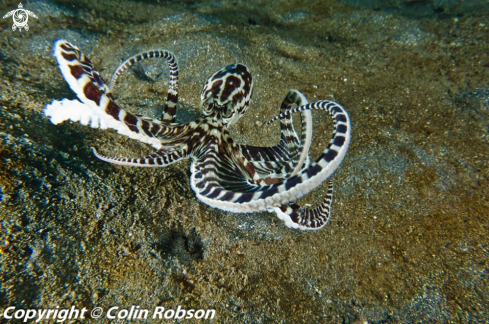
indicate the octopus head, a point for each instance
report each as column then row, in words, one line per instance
column 227, row 93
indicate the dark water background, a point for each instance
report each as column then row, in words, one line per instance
column 408, row 239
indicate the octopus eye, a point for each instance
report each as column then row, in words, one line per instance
column 230, row 89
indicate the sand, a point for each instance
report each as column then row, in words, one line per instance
column 408, row 237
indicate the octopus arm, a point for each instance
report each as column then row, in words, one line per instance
column 96, row 105
column 291, row 154
column 221, row 184
column 159, row 158
column 274, row 162
column 316, row 218
column 170, row 108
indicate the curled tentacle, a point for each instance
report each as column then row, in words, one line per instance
column 217, row 193
column 298, row 149
column 285, row 159
column 295, row 216
column 170, row 109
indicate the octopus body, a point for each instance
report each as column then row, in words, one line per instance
column 224, row 174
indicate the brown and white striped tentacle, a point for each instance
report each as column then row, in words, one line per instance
column 170, row 109
column 297, row 217
column 288, row 157
column 156, row 159
column 216, row 193
column 299, row 149
column 292, row 214
column 220, row 166
column 97, row 106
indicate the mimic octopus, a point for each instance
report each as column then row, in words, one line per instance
column 232, row 177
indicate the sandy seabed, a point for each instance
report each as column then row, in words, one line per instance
column 408, row 237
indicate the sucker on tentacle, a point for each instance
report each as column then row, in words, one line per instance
column 225, row 175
